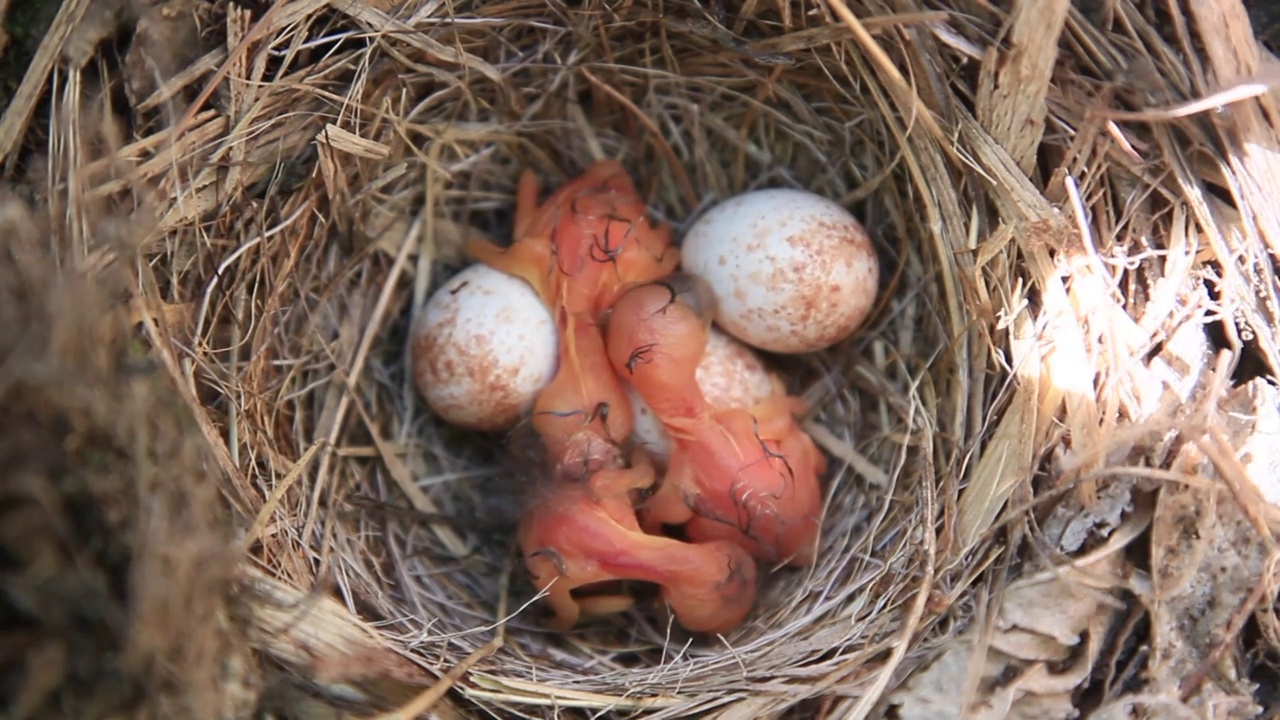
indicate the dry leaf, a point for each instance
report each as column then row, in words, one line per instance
column 1258, row 403
column 1042, row 618
column 1206, row 558
column 1071, row 524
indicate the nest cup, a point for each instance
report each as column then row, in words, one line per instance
column 316, row 169
column 693, row 120
column 408, row 148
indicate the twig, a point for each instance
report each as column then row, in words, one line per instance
column 268, row 508
column 160, row 341
column 911, row 622
column 686, row 187
column 432, row 695
column 1264, row 82
column 351, row 374
column 13, row 124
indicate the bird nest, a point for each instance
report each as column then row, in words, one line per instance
column 1051, row 394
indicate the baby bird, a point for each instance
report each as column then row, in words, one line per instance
column 579, row 536
column 591, row 239
column 749, row 475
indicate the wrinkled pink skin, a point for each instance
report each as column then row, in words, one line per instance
column 591, row 239
column 749, row 475
column 587, row 243
column 580, row 250
column 579, row 534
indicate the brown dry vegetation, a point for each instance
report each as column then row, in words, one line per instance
column 116, row 549
column 1051, row 442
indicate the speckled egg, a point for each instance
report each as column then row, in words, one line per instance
column 733, row 375
column 482, row 348
column 730, row 375
column 792, row 272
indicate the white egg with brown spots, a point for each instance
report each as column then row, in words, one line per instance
column 730, row 375
column 792, row 271
column 482, row 348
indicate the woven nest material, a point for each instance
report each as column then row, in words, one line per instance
column 1077, row 290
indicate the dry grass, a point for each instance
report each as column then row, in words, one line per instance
column 117, row 559
column 1062, row 237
